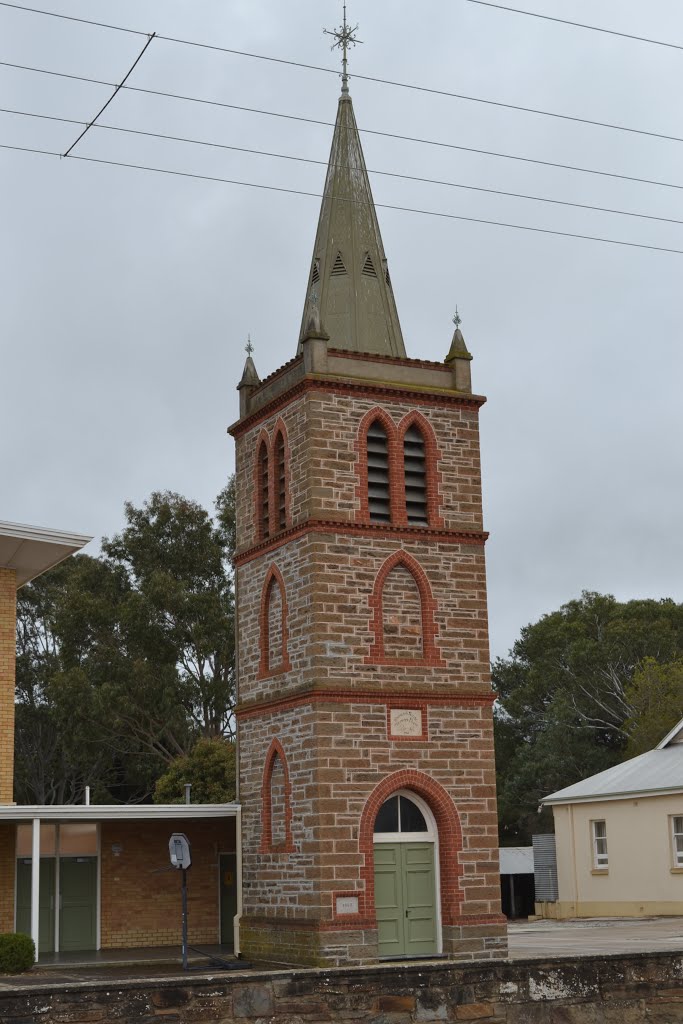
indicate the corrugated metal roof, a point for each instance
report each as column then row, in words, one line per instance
column 657, row 771
column 516, row 860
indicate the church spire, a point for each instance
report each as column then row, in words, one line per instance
column 349, row 289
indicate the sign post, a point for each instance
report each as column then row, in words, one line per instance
column 179, row 852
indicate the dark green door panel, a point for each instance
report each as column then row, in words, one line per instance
column 78, row 907
column 46, row 912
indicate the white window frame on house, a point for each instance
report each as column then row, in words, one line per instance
column 600, row 855
column 676, row 833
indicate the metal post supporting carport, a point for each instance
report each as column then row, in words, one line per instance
column 35, row 884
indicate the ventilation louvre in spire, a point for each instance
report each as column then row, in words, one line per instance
column 338, row 267
column 315, row 276
column 368, row 267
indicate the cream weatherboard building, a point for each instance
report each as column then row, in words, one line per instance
column 619, row 838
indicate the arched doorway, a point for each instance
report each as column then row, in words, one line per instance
column 406, row 877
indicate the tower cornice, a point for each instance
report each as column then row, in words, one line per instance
column 388, row 390
column 376, row 531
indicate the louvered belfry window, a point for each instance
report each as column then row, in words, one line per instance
column 264, row 504
column 415, row 477
column 280, row 481
column 379, row 501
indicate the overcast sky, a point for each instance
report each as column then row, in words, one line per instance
column 127, row 296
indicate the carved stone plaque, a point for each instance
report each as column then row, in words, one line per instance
column 405, row 722
column 347, row 904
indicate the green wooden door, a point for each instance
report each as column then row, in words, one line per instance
column 405, row 899
column 46, row 911
column 78, row 906
column 228, row 869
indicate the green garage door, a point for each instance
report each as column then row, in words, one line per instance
column 405, row 899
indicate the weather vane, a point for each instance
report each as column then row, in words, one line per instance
column 344, row 36
column 457, row 319
column 249, row 348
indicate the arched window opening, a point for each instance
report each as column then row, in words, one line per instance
column 273, row 625
column 278, row 816
column 274, row 611
column 379, row 498
column 263, row 492
column 402, row 615
column 280, row 482
column 400, row 814
column 415, row 477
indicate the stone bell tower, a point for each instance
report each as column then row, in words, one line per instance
column 366, row 766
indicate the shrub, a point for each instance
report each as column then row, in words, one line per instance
column 17, row 953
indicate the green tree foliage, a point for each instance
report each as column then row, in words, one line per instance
column 209, row 767
column 566, row 700
column 655, row 697
column 124, row 661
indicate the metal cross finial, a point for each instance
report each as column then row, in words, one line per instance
column 344, row 36
column 249, row 348
column 456, row 319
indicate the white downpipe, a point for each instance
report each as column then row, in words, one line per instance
column 238, row 871
column 35, row 883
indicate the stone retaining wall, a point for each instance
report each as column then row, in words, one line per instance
column 582, row 990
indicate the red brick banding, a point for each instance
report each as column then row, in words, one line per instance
column 380, row 531
column 351, row 389
column 401, row 700
column 275, row 751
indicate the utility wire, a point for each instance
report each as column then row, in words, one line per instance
column 576, row 24
column 119, row 86
column 323, row 163
column 370, row 78
column 364, row 131
column 318, row 195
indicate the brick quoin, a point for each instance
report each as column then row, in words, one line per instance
column 275, row 751
column 430, row 651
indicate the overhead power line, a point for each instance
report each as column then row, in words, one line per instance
column 323, row 163
column 577, row 24
column 104, row 106
column 364, row 131
column 366, row 78
column 318, row 195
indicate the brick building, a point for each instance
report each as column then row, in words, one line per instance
column 366, row 766
column 81, row 877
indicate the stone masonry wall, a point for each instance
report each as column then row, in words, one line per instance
column 8, row 618
column 338, row 754
column 619, row 989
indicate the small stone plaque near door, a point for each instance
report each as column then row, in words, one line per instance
column 405, row 722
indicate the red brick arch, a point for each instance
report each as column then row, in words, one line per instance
column 361, row 446
column 275, row 750
column 448, row 828
column 262, row 441
column 430, row 651
column 273, row 579
column 433, row 476
column 280, row 430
